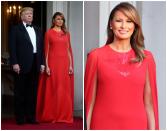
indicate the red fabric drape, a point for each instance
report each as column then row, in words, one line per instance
column 153, row 85
column 72, row 76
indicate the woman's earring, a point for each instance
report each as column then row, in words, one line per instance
column 111, row 27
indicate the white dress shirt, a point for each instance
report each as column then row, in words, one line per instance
column 32, row 35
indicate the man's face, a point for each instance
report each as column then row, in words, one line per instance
column 27, row 16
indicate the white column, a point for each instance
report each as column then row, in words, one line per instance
column 49, row 14
column 56, row 6
column 91, row 26
column 76, row 31
column 60, row 6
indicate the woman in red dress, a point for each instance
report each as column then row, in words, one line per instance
column 120, row 77
column 56, row 86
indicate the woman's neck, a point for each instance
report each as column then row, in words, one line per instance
column 121, row 45
column 57, row 28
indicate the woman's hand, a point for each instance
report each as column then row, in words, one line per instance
column 70, row 70
column 48, row 71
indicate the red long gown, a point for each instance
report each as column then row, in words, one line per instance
column 119, row 101
column 56, row 92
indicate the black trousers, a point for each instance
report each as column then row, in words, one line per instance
column 25, row 93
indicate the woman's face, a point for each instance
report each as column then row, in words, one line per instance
column 122, row 26
column 58, row 21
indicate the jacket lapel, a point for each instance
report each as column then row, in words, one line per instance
column 21, row 26
column 37, row 37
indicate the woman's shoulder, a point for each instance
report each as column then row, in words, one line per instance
column 98, row 50
column 68, row 34
column 95, row 53
column 148, row 54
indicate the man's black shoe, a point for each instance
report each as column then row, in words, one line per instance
column 20, row 122
column 32, row 121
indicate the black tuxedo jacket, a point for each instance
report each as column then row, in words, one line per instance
column 21, row 48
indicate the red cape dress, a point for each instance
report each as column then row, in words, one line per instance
column 119, row 101
column 55, row 99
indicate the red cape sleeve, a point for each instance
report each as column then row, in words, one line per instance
column 90, row 72
column 71, row 76
column 153, row 85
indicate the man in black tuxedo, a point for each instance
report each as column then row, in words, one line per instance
column 27, row 60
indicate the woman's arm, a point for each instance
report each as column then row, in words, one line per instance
column 148, row 102
column 69, row 54
column 70, row 61
column 47, row 66
column 92, row 103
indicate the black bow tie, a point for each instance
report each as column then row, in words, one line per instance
column 28, row 25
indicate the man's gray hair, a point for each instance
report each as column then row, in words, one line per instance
column 25, row 9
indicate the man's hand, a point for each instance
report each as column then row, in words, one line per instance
column 16, row 68
column 42, row 69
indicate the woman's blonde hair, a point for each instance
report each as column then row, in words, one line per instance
column 137, row 38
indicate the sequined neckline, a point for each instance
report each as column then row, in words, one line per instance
column 57, row 31
column 126, row 52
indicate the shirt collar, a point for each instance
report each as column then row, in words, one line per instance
column 24, row 23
